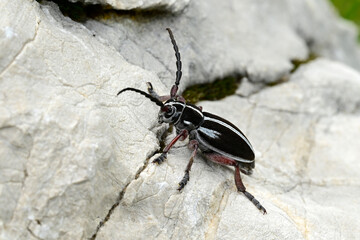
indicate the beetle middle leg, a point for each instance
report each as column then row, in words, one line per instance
column 162, row 157
column 238, row 182
column 193, row 144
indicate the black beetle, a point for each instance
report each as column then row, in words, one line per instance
column 218, row 139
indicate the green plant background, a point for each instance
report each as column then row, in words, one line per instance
column 349, row 9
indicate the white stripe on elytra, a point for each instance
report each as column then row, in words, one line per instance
column 195, row 109
column 187, row 123
column 232, row 129
column 209, row 132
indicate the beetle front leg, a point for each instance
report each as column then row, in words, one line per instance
column 155, row 95
column 162, row 157
column 240, row 186
column 195, row 145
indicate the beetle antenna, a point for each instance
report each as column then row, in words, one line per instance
column 175, row 87
column 153, row 99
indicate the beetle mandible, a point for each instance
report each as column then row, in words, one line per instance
column 219, row 140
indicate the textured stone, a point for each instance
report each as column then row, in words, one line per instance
column 306, row 170
column 249, row 37
column 72, row 153
column 62, row 129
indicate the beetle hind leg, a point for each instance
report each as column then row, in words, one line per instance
column 240, row 186
column 195, row 145
column 246, row 170
column 217, row 158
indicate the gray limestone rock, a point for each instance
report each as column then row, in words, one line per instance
column 75, row 160
column 62, row 128
column 253, row 38
column 306, row 141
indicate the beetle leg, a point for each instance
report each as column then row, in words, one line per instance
column 217, row 158
column 247, row 171
column 184, row 136
column 180, row 98
column 155, row 95
column 240, row 186
column 151, row 90
column 162, row 157
column 195, row 145
column 165, row 97
column 238, row 182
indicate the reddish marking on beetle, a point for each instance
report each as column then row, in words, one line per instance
column 217, row 158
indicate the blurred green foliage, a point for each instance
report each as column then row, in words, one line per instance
column 349, row 9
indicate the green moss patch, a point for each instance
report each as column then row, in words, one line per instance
column 212, row 91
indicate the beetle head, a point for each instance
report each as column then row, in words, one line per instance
column 171, row 111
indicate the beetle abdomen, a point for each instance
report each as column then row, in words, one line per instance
column 223, row 137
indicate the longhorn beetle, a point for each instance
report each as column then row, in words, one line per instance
column 218, row 139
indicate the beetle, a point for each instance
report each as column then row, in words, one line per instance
column 218, row 139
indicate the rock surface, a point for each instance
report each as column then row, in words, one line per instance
column 250, row 37
column 74, row 159
column 62, row 128
column 306, row 173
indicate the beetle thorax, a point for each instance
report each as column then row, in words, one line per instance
column 190, row 119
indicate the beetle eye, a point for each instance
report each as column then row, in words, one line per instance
column 170, row 111
column 166, row 109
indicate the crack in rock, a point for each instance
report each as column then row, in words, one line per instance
column 137, row 175
column 119, row 198
column 22, row 48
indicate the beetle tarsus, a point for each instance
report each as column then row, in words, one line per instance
column 152, row 92
column 184, row 181
column 241, row 188
column 193, row 144
column 255, row 202
column 159, row 160
column 162, row 157
column 246, row 171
